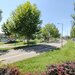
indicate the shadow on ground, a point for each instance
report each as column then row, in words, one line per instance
column 36, row 48
column 2, row 52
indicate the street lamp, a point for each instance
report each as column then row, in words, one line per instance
column 61, row 34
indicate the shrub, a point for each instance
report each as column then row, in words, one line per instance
column 9, row 71
column 61, row 69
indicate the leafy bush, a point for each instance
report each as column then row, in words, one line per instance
column 61, row 69
column 9, row 71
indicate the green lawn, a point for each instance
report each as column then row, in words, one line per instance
column 65, row 54
column 6, row 46
column 18, row 44
column 1, row 43
column 12, row 45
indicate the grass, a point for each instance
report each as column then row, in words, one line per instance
column 65, row 54
column 10, row 45
column 18, row 44
column 1, row 43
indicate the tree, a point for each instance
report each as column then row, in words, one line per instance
column 0, row 15
column 73, row 32
column 7, row 28
column 73, row 25
column 26, row 19
column 50, row 31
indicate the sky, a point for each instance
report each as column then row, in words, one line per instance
column 52, row 11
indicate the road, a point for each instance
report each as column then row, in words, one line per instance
column 27, row 52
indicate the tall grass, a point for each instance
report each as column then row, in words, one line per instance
column 65, row 54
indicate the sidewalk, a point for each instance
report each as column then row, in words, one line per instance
column 27, row 52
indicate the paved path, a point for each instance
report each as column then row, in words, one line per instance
column 13, row 56
column 27, row 52
column 58, row 44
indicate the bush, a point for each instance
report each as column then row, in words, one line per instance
column 61, row 69
column 9, row 71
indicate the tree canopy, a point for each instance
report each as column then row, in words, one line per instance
column 0, row 15
column 73, row 32
column 7, row 28
column 50, row 30
column 24, row 21
column 73, row 24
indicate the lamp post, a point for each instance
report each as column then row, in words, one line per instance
column 61, row 34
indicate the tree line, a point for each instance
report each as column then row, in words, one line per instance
column 25, row 21
column 73, row 24
column 0, row 14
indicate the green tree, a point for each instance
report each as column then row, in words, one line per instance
column 73, row 24
column 7, row 28
column 73, row 32
column 26, row 20
column 50, row 31
column 0, row 15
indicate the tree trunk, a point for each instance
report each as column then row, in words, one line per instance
column 27, row 42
